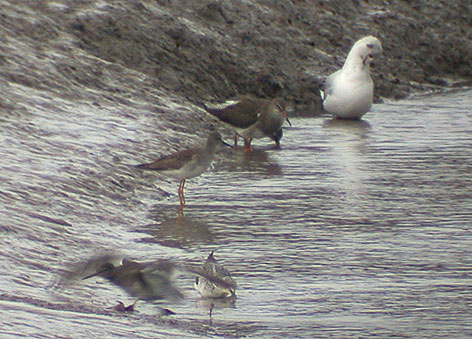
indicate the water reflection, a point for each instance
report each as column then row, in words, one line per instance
column 347, row 156
column 259, row 160
column 176, row 227
column 210, row 304
column 351, row 126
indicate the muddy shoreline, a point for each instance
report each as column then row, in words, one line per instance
column 141, row 54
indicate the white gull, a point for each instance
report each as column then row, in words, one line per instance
column 349, row 92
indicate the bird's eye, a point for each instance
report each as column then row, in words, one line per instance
column 370, row 46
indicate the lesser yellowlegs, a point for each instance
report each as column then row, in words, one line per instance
column 253, row 118
column 187, row 163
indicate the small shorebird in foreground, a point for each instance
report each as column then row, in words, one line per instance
column 149, row 281
column 349, row 92
column 188, row 163
column 219, row 295
column 253, row 118
column 209, row 289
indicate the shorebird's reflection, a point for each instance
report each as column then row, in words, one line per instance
column 177, row 229
column 258, row 160
column 211, row 304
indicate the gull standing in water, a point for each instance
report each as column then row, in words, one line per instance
column 349, row 92
column 186, row 164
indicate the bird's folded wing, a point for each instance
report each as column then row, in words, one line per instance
column 171, row 161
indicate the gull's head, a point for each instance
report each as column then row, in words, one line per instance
column 364, row 50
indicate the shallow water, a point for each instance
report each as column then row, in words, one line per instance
column 353, row 229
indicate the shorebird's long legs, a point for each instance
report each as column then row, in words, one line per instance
column 211, row 309
column 247, row 144
column 180, row 214
column 183, row 196
column 181, row 192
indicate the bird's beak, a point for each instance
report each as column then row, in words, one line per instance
column 289, row 123
column 285, row 115
column 95, row 274
column 226, row 144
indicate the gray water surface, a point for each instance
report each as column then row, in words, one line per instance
column 353, row 229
